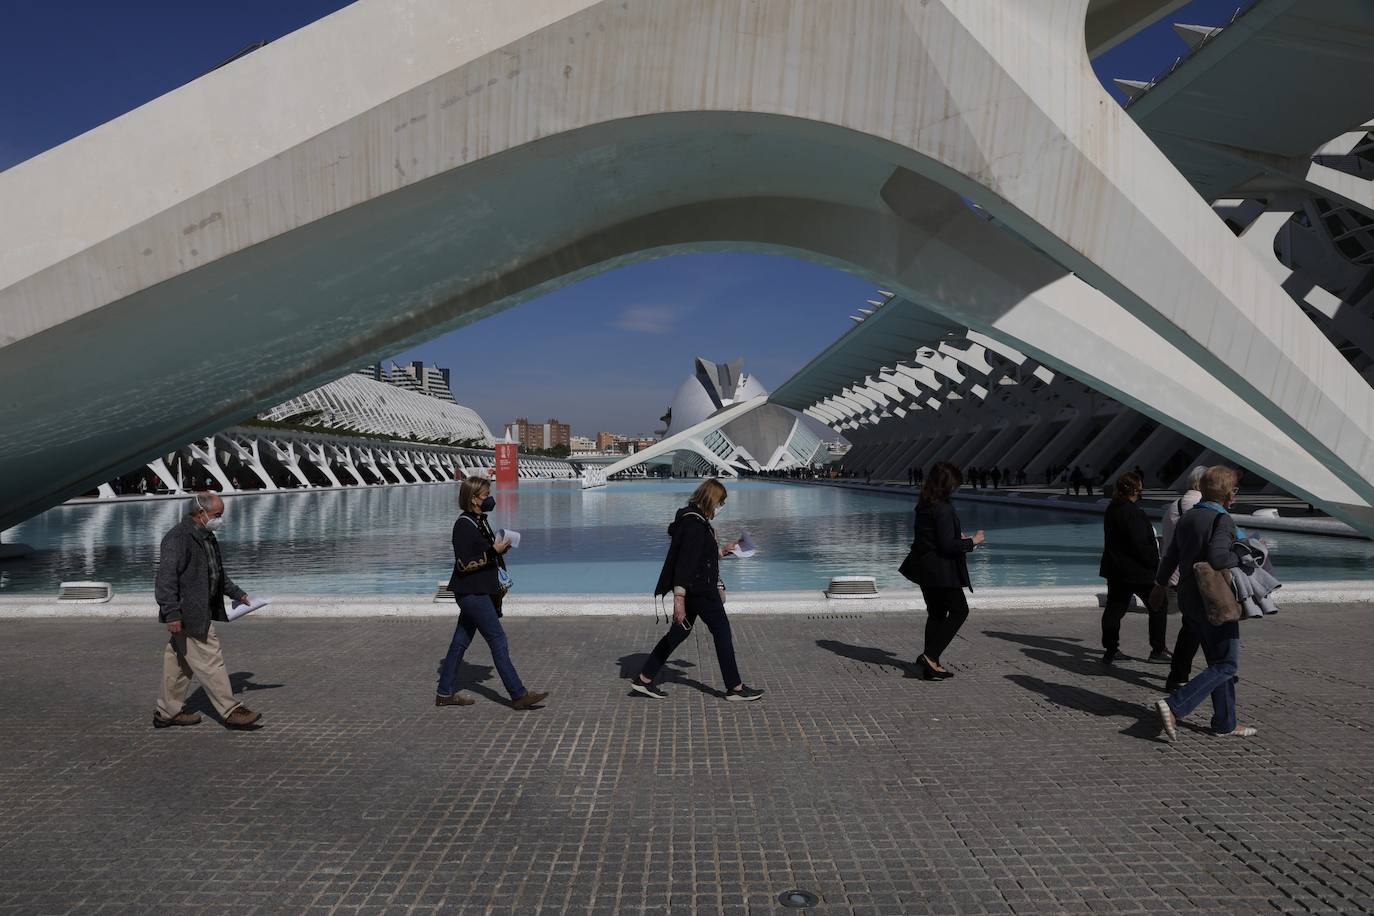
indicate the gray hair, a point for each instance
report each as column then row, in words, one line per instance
column 1195, row 477
column 204, row 500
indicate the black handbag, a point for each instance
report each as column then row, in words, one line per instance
column 908, row 569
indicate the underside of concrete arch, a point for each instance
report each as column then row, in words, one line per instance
column 853, row 135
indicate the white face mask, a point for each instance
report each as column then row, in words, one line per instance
column 214, row 524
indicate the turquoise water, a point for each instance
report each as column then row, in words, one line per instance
column 396, row 541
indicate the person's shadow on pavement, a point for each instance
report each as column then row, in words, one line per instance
column 869, row 655
column 239, row 681
column 1146, row 723
column 631, row 665
column 1069, row 654
column 470, row 678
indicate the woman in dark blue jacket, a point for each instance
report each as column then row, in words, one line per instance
column 937, row 564
column 1205, row 533
column 691, row 572
column 476, row 583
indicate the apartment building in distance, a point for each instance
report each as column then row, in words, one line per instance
column 616, row 444
column 544, row 435
column 434, row 381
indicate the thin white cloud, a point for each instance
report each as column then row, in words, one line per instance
column 647, row 319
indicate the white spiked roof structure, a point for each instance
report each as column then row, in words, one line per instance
column 367, row 406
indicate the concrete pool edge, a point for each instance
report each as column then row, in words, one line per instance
column 141, row 606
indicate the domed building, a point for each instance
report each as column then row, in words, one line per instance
column 764, row 437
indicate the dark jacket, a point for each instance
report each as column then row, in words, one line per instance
column 475, row 560
column 939, row 549
column 1130, row 552
column 693, row 560
column 1201, row 534
column 183, row 588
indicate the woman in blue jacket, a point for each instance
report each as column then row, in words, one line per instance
column 937, row 564
column 691, row 572
column 478, row 567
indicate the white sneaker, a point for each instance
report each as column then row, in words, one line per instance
column 648, row 690
column 1167, row 719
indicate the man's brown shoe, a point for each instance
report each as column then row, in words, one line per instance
column 181, row 718
column 531, row 698
column 241, row 717
column 456, row 699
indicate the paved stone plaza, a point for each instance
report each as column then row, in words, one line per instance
column 1033, row 782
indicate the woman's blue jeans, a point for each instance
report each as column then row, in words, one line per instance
column 478, row 615
column 1221, row 646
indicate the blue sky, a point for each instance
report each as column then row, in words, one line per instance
column 607, row 353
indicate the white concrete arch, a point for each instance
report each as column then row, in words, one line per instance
column 597, row 133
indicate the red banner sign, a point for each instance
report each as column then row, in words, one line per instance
column 506, row 462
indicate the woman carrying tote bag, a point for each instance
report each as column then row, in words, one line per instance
column 1206, row 536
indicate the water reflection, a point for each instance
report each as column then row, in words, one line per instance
column 396, row 541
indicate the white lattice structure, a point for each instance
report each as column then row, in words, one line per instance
column 366, row 406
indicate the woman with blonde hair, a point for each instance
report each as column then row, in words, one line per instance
column 691, row 571
column 478, row 583
column 1205, row 534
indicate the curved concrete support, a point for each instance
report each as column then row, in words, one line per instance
column 344, row 459
column 203, row 451
column 692, row 439
column 285, row 452
column 249, row 452
column 367, row 460
column 597, row 133
column 318, row 456
column 159, row 467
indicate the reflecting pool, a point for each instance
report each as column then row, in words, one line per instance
column 395, row 541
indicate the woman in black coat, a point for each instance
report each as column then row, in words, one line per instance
column 1130, row 558
column 691, row 573
column 937, row 564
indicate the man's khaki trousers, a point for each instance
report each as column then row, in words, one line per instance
column 185, row 656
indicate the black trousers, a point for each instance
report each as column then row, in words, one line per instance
column 1185, row 650
column 1119, row 601
column 711, row 610
column 946, row 611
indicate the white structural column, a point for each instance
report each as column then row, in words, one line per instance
column 204, row 452
column 285, row 452
column 1062, row 445
column 318, row 456
column 159, row 467
column 1157, row 448
column 367, row 460
column 1110, row 440
column 343, row 457
column 248, row 450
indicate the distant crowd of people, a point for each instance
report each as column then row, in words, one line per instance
column 1200, row 540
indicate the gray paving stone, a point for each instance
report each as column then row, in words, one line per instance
column 1033, row 782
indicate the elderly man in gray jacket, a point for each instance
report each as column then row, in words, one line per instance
column 190, row 588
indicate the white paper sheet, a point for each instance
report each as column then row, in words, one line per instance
column 746, row 547
column 238, row 610
column 512, row 536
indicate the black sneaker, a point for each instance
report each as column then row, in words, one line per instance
column 743, row 694
column 1112, row 655
column 648, row 690
column 1161, row 655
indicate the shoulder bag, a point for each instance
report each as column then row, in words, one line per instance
column 1214, row 585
